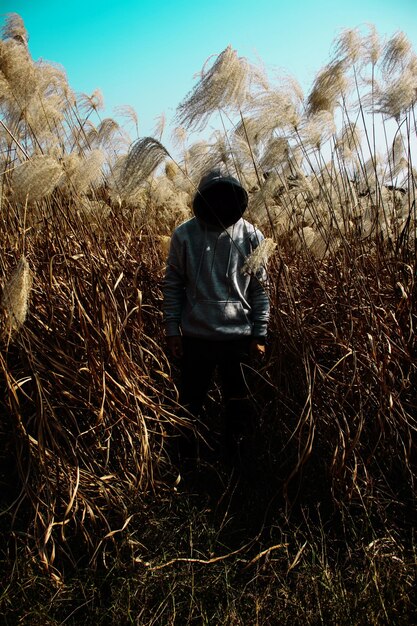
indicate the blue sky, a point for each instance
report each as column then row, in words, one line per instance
column 146, row 54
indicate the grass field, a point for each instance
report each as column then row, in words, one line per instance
column 316, row 524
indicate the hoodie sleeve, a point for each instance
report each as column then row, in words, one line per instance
column 259, row 299
column 173, row 287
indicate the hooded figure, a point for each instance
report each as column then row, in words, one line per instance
column 215, row 313
column 220, row 200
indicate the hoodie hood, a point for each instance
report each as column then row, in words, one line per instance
column 220, row 200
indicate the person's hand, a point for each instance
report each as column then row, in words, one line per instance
column 175, row 346
column 257, row 349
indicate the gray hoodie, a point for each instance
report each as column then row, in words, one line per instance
column 206, row 293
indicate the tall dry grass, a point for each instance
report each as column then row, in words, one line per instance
column 86, row 395
column 87, row 392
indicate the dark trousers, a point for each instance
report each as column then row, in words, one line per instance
column 200, row 360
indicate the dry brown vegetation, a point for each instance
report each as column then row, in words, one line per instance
column 319, row 527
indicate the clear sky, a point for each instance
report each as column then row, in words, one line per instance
column 146, row 53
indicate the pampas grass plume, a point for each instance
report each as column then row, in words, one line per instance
column 87, row 171
column 329, row 86
column 399, row 95
column 259, row 257
column 372, row 45
column 349, row 45
column 94, row 102
column 36, row 179
column 225, row 84
column 15, row 297
column 14, row 28
column 144, row 156
column 396, row 53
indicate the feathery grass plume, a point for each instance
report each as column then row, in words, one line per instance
column 94, row 213
column 20, row 72
column 110, row 137
column 15, row 296
column 179, row 178
column 164, row 244
column 171, row 170
column 328, row 88
column 179, row 136
column 245, row 156
column 320, row 244
column 275, row 154
column 369, row 173
column 221, row 152
column 311, row 214
column 14, row 28
column 348, row 141
column 247, row 130
column 402, row 202
column 161, row 189
column 372, row 46
column 39, row 95
column 396, row 54
column 144, row 156
column 87, row 104
column 5, row 91
column 52, row 81
column 33, row 97
column 249, row 179
column 259, row 257
column 397, row 152
column 308, row 235
column 318, row 129
column 83, row 172
column 301, row 183
column 279, row 107
column 106, row 131
column 70, row 164
column 196, row 157
column 398, row 96
column 172, row 202
column 349, row 45
column 161, row 121
column 396, row 209
column 226, row 84
column 80, row 136
column 412, row 64
column 204, row 156
column 264, row 202
column 43, row 117
column 400, row 171
column 36, row 179
column 128, row 113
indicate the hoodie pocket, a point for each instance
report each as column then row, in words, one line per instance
column 208, row 317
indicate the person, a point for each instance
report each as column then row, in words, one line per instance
column 215, row 313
